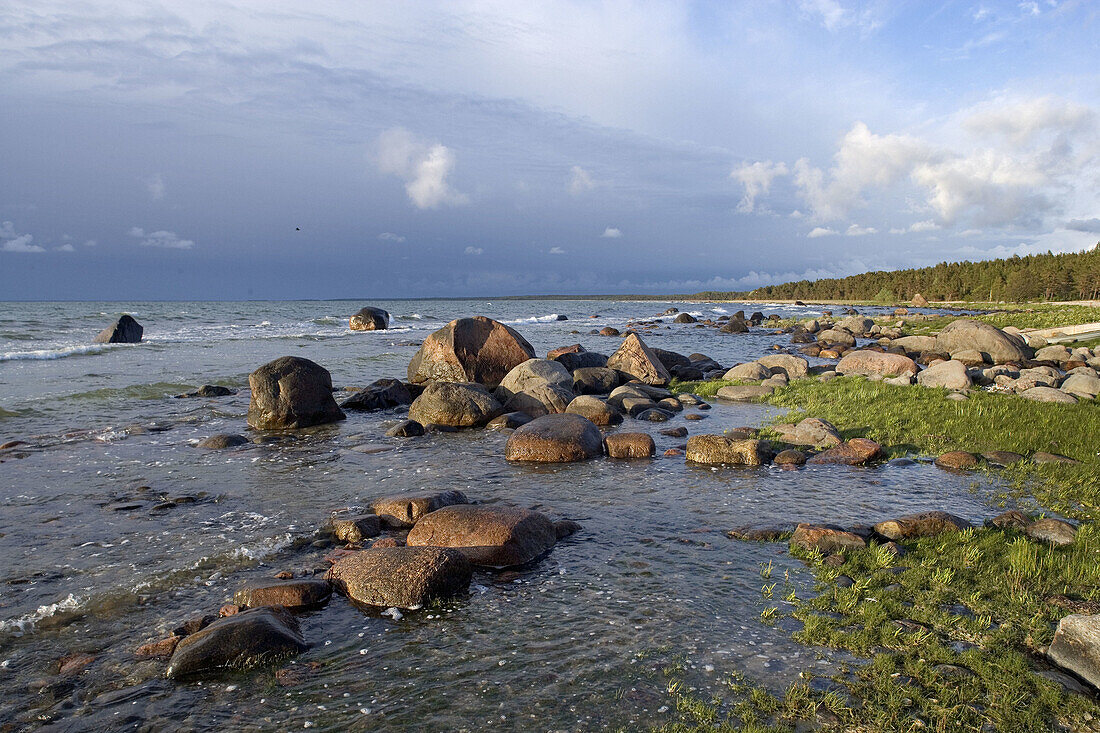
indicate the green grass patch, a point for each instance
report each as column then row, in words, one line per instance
column 1040, row 315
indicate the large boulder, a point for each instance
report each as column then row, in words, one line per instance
column 994, row 344
column 925, row 524
column 475, row 349
column 795, row 367
column 752, row 371
column 291, row 392
column 124, row 331
column 493, row 536
column 379, row 395
column 1076, row 646
column 854, row 452
column 593, row 408
column 1082, row 385
column 540, row 399
column 458, row 404
column 532, row 373
column 595, row 380
column 636, row 360
column 401, row 511
column 369, row 319
column 869, row 363
column 915, row 344
column 836, row 336
column 401, row 577
column 629, row 445
column 236, row 642
column 555, row 439
column 1048, row 394
column 810, row 431
column 671, row 359
column 948, row 374
column 919, row 301
column 576, row 357
column 720, row 450
column 856, row 325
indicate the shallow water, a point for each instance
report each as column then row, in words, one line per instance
column 577, row 641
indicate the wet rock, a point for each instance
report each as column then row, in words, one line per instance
column 162, row 648
column 194, row 625
column 236, row 642
column 74, row 664
column 868, row 363
column 694, row 416
column 1001, row 458
column 1053, row 531
column 677, row 432
column 673, row 453
column 812, row 431
column 629, row 445
column 555, row 439
column 534, row 373
column 509, row 421
column 229, row 609
column 401, row 577
column 565, row 528
column 684, row 318
column 208, row 390
column 221, row 441
column 1076, row 647
column 355, row 528
column 1010, row 519
column 654, row 415
column 996, row 346
column 475, row 349
column 595, row 380
column 124, row 331
column 608, row 331
column 957, row 460
column 790, row 457
column 405, row 429
column 637, row 361
column 825, row 538
column 382, row 542
column 756, row 534
column 735, row 325
column 400, row 511
column 744, row 393
column 720, row 450
column 671, row 359
column 854, row 452
column 383, row 394
column 925, row 524
column 291, row 392
column 369, row 318
column 493, row 536
column 290, row 594
column 457, row 404
column 539, row 400
column 749, row 372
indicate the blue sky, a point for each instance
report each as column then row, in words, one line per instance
column 344, row 149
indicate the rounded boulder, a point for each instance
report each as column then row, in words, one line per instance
column 555, row 439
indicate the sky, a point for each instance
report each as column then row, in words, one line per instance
column 245, row 149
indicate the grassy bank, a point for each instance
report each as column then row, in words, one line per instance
column 951, row 633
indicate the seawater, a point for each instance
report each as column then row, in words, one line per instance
column 115, row 528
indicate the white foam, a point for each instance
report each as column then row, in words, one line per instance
column 536, row 319
column 27, row 622
column 59, row 353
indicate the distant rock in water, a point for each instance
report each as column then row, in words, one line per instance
column 370, row 319
column 291, row 392
column 125, row 331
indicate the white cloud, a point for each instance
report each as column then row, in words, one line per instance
column 556, row 251
column 1022, row 121
column 830, row 12
column 424, row 168
column 66, row 248
column 855, row 230
column 16, row 242
column 156, row 186
column 161, row 238
column 579, row 181
column 923, row 226
column 611, row 233
column 473, row 251
column 1084, row 225
column 391, row 237
column 821, row 232
column 757, row 179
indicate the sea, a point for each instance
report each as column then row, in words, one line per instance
column 115, row 529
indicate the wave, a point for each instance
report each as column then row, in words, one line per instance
column 410, row 317
column 718, row 309
column 327, row 321
column 553, row 317
column 59, row 353
column 27, row 622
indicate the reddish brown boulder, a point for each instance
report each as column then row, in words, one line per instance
column 475, row 349
column 402, row 577
column 162, row 648
column 637, row 361
column 291, row 594
column 718, row 450
column 825, row 539
column 957, row 460
column 291, row 392
column 355, row 527
column 629, row 445
column 401, row 511
column 925, row 524
column 854, row 452
column 494, row 536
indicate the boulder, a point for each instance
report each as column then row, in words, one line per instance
column 291, row 392
column 401, row 577
column 629, row 445
column 1048, row 394
column 925, row 524
column 811, row 431
column 369, row 319
column 509, row 421
column 790, row 457
column 856, row 325
column 744, row 393
column 1053, row 531
column 356, row 527
column 1058, row 354
column 240, row 641
column 405, row 429
column 957, row 460
column 533, row 373
column 825, row 539
column 1086, row 386
column 595, row 380
column 994, row 344
column 854, row 452
column 719, row 450
column 671, row 359
column 1076, row 646
column 124, row 331
column 915, row 344
column 475, row 349
column 684, row 318
column 573, row 360
column 735, row 325
column 836, row 336
column 593, row 408
column 867, row 363
column 1001, row 458
column 221, row 441
column 555, row 439
column 919, row 301
column 457, row 404
column 290, row 594
column 749, row 372
column 401, row 511
column 795, row 367
column 493, row 536
column 540, row 399
column 382, row 394
column 636, row 360
column 947, row 374
column 209, row 390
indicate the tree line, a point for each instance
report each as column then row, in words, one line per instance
column 1053, row 277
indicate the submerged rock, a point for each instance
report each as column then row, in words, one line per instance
column 493, row 536
column 246, row 639
column 719, row 450
column 124, row 331
column 401, row 577
column 221, row 441
column 291, row 392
